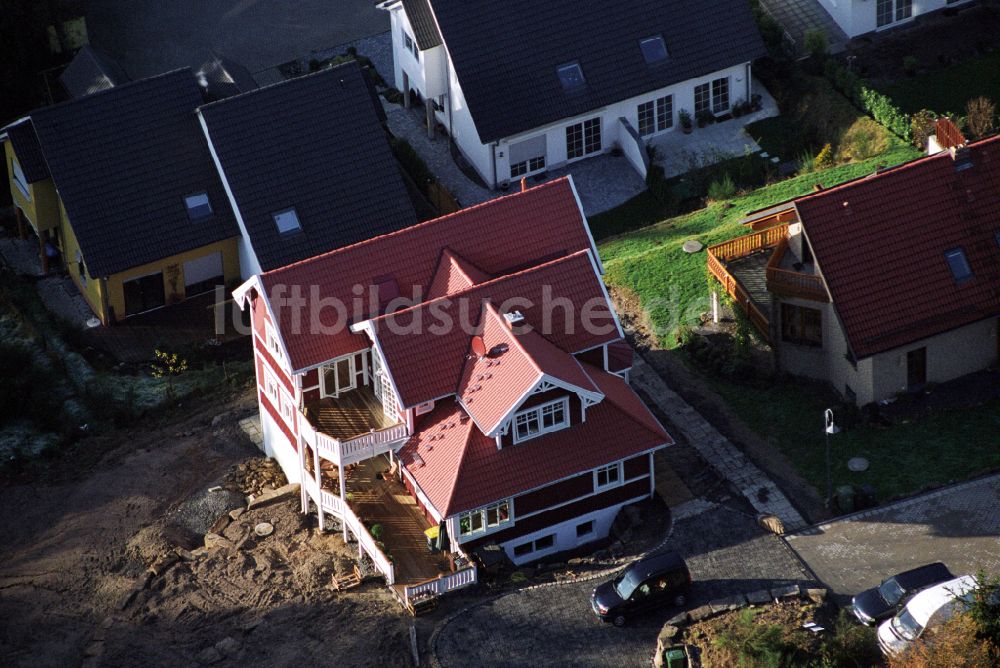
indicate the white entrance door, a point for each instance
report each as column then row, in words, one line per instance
column 339, row 377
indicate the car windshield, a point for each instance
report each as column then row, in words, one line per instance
column 627, row 584
column 891, row 591
column 906, row 626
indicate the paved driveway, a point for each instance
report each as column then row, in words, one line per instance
column 553, row 626
column 959, row 525
column 148, row 37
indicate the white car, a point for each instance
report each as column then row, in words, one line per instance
column 927, row 610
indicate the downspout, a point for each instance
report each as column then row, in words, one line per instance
column 105, row 297
column 749, row 82
column 493, row 151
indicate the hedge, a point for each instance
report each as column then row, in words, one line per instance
column 878, row 105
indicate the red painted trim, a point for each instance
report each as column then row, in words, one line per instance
column 275, row 414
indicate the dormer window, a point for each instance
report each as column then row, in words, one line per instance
column 654, row 49
column 571, row 76
column 287, row 221
column 198, row 206
column 541, row 419
column 958, row 264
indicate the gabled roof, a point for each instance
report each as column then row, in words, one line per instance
column 880, row 244
column 424, row 28
column 313, row 144
column 459, row 468
column 29, row 154
column 505, row 54
column 494, row 385
column 454, row 274
column 123, row 160
column 498, row 236
column 433, row 373
column 91, row 71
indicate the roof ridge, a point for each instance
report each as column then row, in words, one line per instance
column 346, row 65
column 423, row 225
column 492, row 281
column 502, row 321
column 117, row 87
column 472, row 427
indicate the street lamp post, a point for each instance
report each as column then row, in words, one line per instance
column 829, row 428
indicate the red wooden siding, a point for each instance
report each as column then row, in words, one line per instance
column 553, row 495
column 636, row 467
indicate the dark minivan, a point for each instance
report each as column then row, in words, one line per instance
column 657, row 580
column 873, row 605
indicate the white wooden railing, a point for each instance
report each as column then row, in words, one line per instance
column 353, row 450
column 445, row 583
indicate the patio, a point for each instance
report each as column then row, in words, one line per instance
column 679, row 153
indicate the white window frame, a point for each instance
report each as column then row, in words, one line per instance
column 617, row 468
column 534, row 546
column 537, row 412
column 272, row 388
column 336, row 391
column 482, row 515
column 19, row 178
column 272, row 343
column 287, row 408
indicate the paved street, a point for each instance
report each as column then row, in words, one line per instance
column 148, row 37
column 725, row 550
column 959, row 525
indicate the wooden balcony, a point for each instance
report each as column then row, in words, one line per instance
column 753, row 267
column 350, row 428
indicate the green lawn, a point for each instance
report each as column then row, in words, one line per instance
column 949, row 90
column 671, row 284
column 941, row 447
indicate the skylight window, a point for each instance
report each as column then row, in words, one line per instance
column 571, row 76
column 958, row 264
column 198, row 206
column 287, row 221
column 654, row 49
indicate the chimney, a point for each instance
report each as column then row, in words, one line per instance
column 946, row 136
column 514, row 318
column 524, row 183
column 962, row 157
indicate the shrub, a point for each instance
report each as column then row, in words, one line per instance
column 863, row 140
column 922, row 127
column 722, row 189
column 752, row 644
column 816, row 43
column 824, row 158
column 852, row 645
column 955, row 644
column 984, row 609
column 877, row 105
column 980, row 117
column 376, row 532
column 807, row 163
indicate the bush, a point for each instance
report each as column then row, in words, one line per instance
column 376, row 532
column 751, row 644
column 824, row 158
column 852, row 645
column 922, row 127
column 980, row 117
column 877, row 105
column 863, row 140
column 816, row 43
column 955, row 644
column 722, row 189
column 807, row 163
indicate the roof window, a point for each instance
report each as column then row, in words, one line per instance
column 654, row 49
column 958, row 264
column 198, row 206
column 571, row 75
column 287, row 221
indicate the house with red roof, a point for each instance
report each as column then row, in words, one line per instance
column 884, row 284
column 477, row 361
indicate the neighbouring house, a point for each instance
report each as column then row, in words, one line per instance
column 119, row 187
column 477, row 361
column 91, row 71
column 307, row 166
column 857, row 17
column 522, row 87
column 884, row 284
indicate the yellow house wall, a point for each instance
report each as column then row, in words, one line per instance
column 42, row 209
column 173, row 273
column 88, row 286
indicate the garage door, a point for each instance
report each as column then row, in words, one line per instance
column 203, row 274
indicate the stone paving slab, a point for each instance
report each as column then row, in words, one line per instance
column 251, row 427
column 716, row 449
column 959, row 525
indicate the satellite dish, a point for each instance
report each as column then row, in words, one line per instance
column 479, row 346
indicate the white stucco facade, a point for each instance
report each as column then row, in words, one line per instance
column 857, row 17
column 433, row 78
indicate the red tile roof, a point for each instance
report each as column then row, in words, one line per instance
column 494, row 385
column 453, row 275
column 425, row 361
column 497, row 237
column 880, row 244
column 459, row 468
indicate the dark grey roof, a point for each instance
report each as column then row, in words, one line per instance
column 123, row 160
column 29, row 153
column 424, row 28
column 90, row 71
column 506, row 53
column 224, row 77
column 314, row 144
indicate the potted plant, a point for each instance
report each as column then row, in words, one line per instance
column 756, row 102
column 704, row 117
column 686, row 125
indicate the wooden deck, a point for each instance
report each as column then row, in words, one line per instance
column 387, row 502
column 350, row 415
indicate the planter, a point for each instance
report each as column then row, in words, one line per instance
column 687, row 129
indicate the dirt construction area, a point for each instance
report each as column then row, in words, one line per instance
column 106, row 564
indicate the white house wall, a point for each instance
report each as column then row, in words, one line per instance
column 277, row 445
column 565, row 534
column 857, row 17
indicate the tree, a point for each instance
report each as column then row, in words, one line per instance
column 24, row 52
column 980, row 117
column 167, row 365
